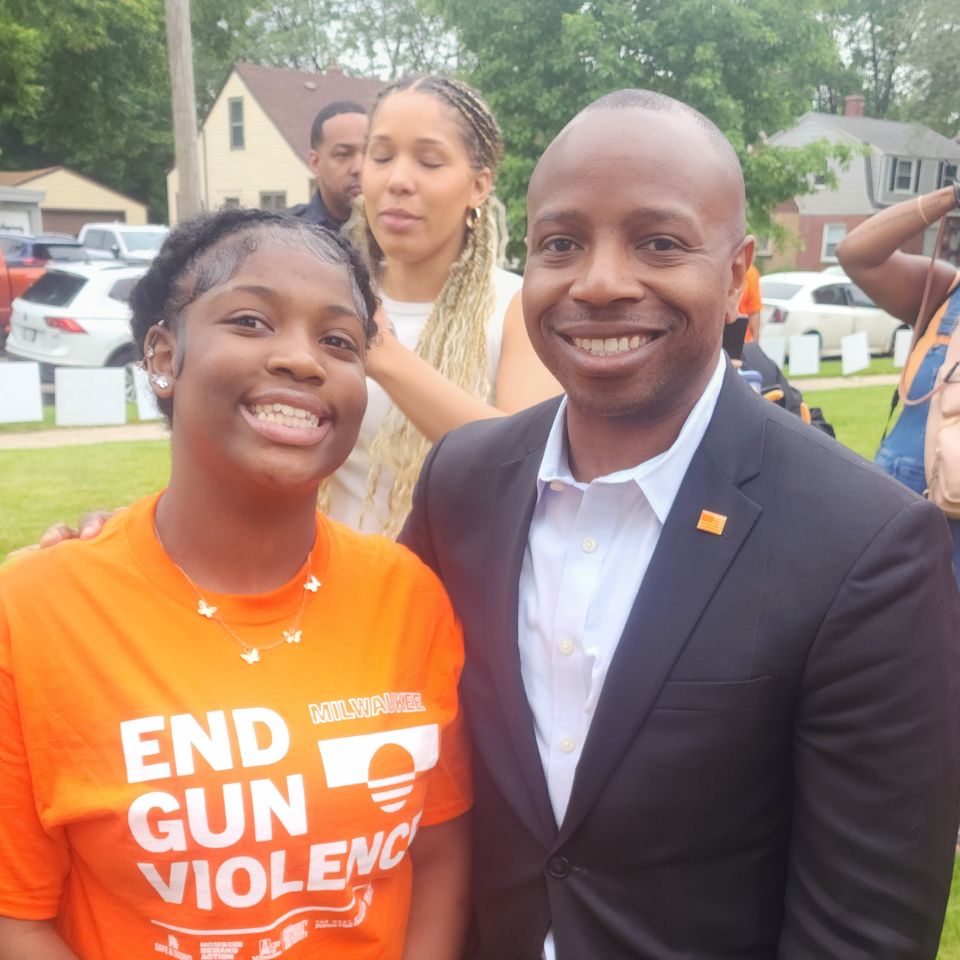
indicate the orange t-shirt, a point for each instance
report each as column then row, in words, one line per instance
column 162, row 798
column 750, row 301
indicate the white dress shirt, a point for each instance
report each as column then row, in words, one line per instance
column 588, row 549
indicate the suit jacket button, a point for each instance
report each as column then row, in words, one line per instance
column 558, row 867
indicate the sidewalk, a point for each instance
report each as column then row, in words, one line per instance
column 82, row 436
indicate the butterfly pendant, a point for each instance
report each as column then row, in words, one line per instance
column 313, row 584
column 251, row 656
column 292, row 636
column 205, row 610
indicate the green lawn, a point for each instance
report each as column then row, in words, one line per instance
column 832, row 368
column 59, row 483
column 48, row 418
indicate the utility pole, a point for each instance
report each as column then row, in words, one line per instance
column 180, row 55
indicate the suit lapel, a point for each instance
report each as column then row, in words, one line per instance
column 685, row 571
column 514, row 499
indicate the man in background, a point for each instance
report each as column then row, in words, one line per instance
column 337, row 139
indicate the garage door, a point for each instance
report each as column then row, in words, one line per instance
column 70, row 221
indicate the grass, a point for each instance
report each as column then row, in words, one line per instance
column 48, row 421
column 41, row 487
column 833, row 368
column 858, row 414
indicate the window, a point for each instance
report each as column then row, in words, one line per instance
column 904, row 175
column 947, row 174
column 833, row 233
column 54, row 289
column 122, row 289
column 274, row 201
column 764, row 246
column 774, row 290
column 858, row 298
column 231, row 203
column 236, row 123
column 834, row 295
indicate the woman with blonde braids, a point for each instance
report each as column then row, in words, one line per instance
column 454, row 348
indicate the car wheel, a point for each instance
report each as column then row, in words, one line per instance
column 128, row 361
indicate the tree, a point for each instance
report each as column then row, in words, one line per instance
column 752, row 66
column 96, row 92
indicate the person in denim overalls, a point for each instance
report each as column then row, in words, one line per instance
column 895, row 280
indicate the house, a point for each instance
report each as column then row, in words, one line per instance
column 892, row 161
column 19, row 209
column 70, row 200
column 254, row 142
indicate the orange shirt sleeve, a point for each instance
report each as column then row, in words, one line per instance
column 750, row 301
column 33, row 863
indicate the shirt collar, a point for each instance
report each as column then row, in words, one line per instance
column 658, row 478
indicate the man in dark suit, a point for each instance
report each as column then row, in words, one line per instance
column 337, row 139
column 711, row 655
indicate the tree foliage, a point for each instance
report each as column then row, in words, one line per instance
column 752, row 66
column 85, row 83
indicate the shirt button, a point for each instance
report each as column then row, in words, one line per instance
column 558, row 867
column 588, row 544
column 565, row 646
column 567, row 744
column 556, row 485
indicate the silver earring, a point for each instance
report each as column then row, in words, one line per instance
column 160, row 381
column 149, row 352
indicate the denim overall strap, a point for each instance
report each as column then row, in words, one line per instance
column 901, row 453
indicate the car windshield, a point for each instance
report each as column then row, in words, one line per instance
column 54, row 289
column 60, row 251
column 775, row 290
column 122, row 289
column 143, row 241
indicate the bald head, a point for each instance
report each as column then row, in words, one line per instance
column 644, row 114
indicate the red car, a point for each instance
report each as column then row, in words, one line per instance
column 6, row 298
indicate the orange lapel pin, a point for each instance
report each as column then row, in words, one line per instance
column 711, row 522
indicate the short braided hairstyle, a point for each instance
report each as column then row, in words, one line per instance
column 208, row 249
column 454, row 338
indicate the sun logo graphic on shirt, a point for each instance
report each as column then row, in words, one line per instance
column 388, row 762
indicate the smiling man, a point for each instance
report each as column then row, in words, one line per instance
column 711, row 654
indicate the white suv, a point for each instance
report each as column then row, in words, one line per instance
column 76, row 315
column 126, row 241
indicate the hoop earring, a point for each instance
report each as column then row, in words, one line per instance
column 473, row 218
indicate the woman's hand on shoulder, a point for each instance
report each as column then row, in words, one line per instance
column 384, row 351
column 88, row 526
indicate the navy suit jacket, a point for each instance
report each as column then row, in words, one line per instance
column 772, row 769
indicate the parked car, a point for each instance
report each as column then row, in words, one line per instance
column 76, row 315
column 829, row 305
column 124, row 241
column 27, row 256
column 6, row 300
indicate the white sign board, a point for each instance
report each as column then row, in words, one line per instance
column 804, row 355
column 21, row 399
column 775, row 348
column 854, row 353
column 147, row 408
column 90, row 397
column 901, row 347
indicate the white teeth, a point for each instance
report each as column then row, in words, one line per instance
column 284, row 414
column 611, row 346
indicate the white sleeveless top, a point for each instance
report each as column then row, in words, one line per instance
column 349, row 483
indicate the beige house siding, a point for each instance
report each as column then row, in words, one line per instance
column 67, row 191
column 266, row 164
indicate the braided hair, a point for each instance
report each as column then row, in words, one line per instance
column 453, row 340
column 208, row 249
